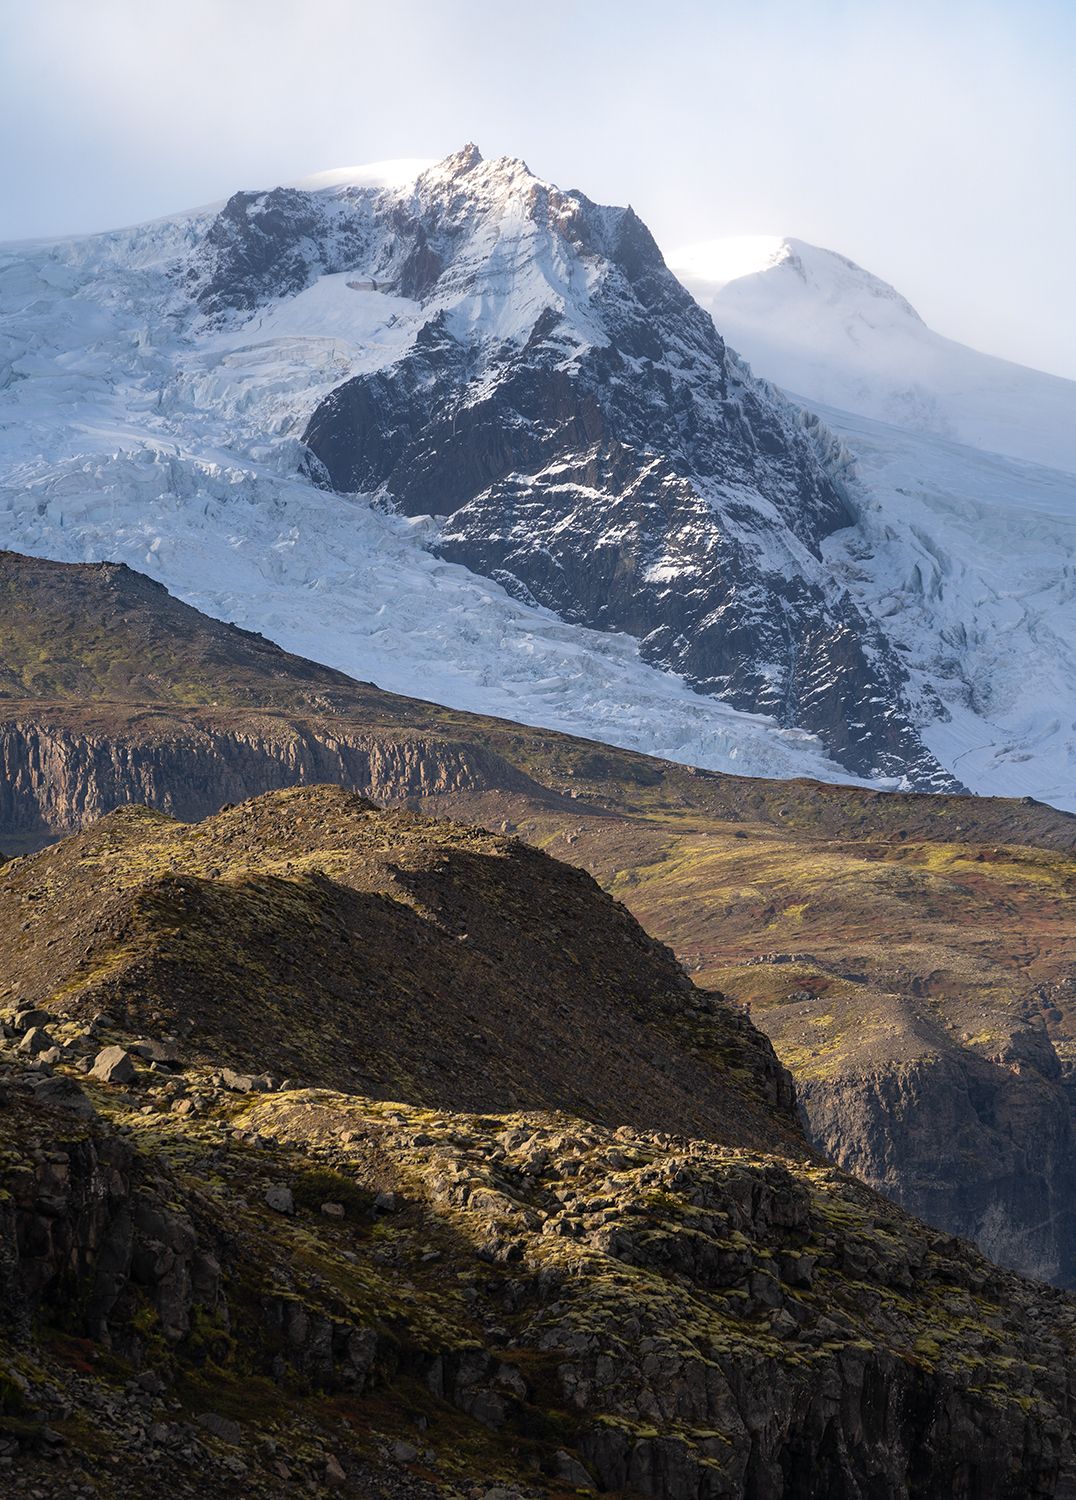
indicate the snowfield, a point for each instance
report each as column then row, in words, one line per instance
column 129, row 433
column 819, row 325
column 133, row 429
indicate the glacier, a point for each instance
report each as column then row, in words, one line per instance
column 128, row 435
column 966, row 475
column 137, row 429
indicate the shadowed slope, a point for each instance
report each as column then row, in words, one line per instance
column 314, row 936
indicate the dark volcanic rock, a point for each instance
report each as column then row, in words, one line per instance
column 594, row 445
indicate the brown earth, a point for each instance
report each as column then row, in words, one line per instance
column 911, row 957
column 531, row 1217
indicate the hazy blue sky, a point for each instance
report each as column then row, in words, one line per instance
column 933, row 143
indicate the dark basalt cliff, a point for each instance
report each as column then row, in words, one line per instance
column 58, row 771
column 582, row 1276
column 593, row 444
column 984, row 1148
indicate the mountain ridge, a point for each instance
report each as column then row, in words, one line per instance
column 251, row 1278
column 216, row 408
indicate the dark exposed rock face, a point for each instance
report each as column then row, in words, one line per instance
column 84, row 1211
column 691, row 1324
column 605, row 455
column 982, row 1148
column 56, row 776
column 273, row 244
column 594, row 445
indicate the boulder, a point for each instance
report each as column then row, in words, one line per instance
column 157, row 1052
column 113, row 1065
column 221, row 1427
column 26, row 1020
column 35, row 1041
column 245, row 1083
column 280, row 1198
column 569, row 1469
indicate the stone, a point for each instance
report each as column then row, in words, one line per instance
column 568, row 1468
column 36, row 1040
column 26, row 1020
column 404, row 1452
column 244, row 1083
column 113, row 1065
column 66, row 1093
column 157, row 1052
column 334, row 1472
column 221, row 1427
column 333, row 1210
column 280, row 1198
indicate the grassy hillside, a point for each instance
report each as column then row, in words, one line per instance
column 375, row 1155
column 911, row 957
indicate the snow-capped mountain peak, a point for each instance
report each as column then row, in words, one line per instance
column 462, row 432
column 765, row 268
column 823, row 328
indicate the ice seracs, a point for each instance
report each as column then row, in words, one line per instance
column 462, row 433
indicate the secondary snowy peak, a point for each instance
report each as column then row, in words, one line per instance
column 824, row 328
column 803, row 272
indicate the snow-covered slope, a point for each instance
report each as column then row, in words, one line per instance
column 325, row 411
column 817, row 324
column 969, row 560
column 131, row 429
column 966, row 543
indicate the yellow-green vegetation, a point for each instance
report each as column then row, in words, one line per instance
column 441, row 1151
column 313, row 936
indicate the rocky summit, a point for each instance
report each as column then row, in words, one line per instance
column 593, row 444
column 349, row 1151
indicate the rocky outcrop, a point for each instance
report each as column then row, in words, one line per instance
column 979, row 1146
column 55, row 776
column 652, row 1315
column 88, row 1229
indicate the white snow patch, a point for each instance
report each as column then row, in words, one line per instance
column 814, row 322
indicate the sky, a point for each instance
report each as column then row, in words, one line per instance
column 935, row 144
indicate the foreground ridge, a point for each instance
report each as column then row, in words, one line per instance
column 338, row 1277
